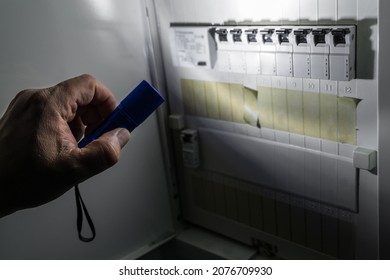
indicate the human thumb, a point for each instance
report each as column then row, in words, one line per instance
column 102, row 153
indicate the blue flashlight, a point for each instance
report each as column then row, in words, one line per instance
column 131, row 112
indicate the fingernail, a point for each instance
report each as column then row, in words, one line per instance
column 123, row 136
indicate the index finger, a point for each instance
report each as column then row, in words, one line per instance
column 83, row 93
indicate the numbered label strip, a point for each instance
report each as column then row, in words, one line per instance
column 305, row 107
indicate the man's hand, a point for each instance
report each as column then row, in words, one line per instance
column 39, row 156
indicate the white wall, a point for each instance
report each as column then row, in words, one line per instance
column 44, row 42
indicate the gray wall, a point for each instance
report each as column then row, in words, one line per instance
column 44, row 42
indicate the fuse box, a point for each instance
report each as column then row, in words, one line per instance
column 316, row 52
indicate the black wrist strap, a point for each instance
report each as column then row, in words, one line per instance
column 81, row 211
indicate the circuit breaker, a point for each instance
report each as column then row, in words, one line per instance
column 284, row 52
column 310, row 52
column 301, row 55
column 319, row 54
column 342, row 53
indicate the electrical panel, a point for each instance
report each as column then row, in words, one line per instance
column 286, row 83
column 312, row 52
column 278, row 118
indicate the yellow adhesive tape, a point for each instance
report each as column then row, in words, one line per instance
column 251, row 113
column 313, row 114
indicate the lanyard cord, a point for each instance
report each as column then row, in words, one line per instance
column 81, row 211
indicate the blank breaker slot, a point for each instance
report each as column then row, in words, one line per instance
column 306, row 173
column 310, row 224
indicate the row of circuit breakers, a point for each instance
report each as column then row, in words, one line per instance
column 316, row 52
